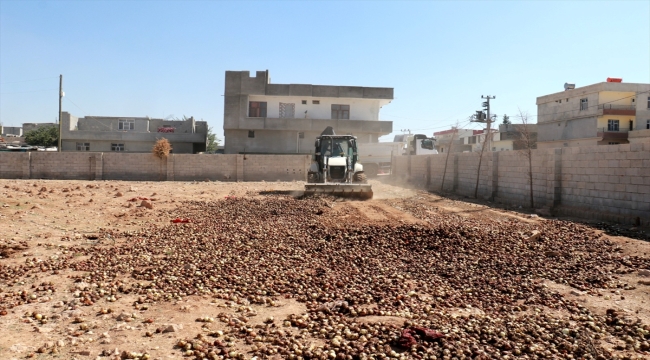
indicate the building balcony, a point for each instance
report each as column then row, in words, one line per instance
column 612, row 133
column 340, row 126
column 609, row 109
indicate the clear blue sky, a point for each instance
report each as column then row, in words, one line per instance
column 157, row 58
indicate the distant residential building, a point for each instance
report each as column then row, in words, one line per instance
column 131, row 134
column 12, row 131
column 605, row 113
column 461, row 141
column 261, row 117
column 506, row 138
column 513, row 137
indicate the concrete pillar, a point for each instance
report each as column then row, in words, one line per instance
column 554, row 179
column 307, row 165
column 99, row 166
column 409, row 167
column 557, row 178
column 27, row 165
column 455, row 172
column 429, row 172
column 240, row 168
column 495, row 175
column 170, row 167
column 92, row 167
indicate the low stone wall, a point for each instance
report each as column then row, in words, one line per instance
column 146, row 167
column 605, row 182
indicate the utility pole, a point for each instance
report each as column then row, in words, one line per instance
column 60, row 98
column 482, row 117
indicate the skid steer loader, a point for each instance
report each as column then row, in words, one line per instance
column 335, row 169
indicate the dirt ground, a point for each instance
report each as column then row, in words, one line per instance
column 42, row 219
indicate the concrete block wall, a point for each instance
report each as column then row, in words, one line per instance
column 204, row 167
column 468, row 166
column 72, row 166
column 605, row 183
column 134, row 167
column 513, row 178
column 275, row 167
column 12, row 163
column 147, row 167
column 419, row 169
column 612, row 179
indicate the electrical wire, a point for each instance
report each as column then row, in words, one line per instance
column 529, row 116
column 21, row 81
column 78, row 107
column 30, row 91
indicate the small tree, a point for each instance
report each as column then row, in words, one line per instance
column 161, row 150
column 506, row 120
column 213, row 142
column 43, row 136
column 528, row 142
column 451, row 144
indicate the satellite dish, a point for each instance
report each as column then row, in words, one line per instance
column 568, row 86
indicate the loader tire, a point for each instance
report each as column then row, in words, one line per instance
column 360, row 178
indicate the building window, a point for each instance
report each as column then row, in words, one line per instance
column 613, row 143
column 584, row 104
column 117, row 147
column 341, row 112
column 612, row 125
column 287, row 111
column 315, row 102
column 304, row 102
column 251, row 133
column 83, row 146
column 471, row 140
column 126, row 124
column 647, row 124
column 257, row 109
column 648, row 102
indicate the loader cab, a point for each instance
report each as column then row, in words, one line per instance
column 333, row 146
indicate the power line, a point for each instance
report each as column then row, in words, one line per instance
column 78, row 107
column 30, row 91
column 21, row 81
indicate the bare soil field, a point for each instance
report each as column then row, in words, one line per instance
column 213, row 270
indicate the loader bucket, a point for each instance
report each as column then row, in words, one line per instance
column 358, row 191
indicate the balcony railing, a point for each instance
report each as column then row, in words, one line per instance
column 342, row 126
column 610, row 109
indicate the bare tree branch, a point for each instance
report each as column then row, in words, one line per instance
column 527, row 142
column 451, row 144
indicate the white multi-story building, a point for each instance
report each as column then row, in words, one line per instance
column 610, row 112
column 260, row 117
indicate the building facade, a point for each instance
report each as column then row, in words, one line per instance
column 460, row 140
column 606, row 113
column 513, row 137
column 11, row 131
column 131, row 134
column 260, row 117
